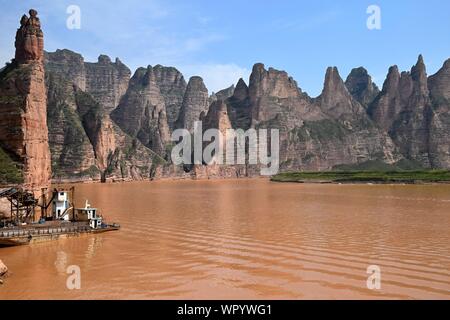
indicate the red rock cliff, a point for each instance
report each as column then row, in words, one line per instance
column 23, row 106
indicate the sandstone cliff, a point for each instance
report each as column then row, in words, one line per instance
column 404, row 110
column 104, row 124
column 439, row 127
column 142, row 112
column 315, row 134
column 23, row 108
column 86, row 144
column 172, row 87
column 359, row 84
column 195, row 102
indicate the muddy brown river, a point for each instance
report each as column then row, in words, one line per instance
column 246, row 239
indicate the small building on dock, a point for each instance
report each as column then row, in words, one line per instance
column 61, row 205
column 89, row 214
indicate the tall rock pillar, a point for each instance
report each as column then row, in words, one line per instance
column 23, row 106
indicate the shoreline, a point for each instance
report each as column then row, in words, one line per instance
column 326, row 177
column 423, row 177
column 398, row 183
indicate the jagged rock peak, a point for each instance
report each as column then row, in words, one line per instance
column 439, row 83
column 241, row 90
column 196, row 81
column 359, row 79
column 29, row 39
column 359, row 73
column 259, row 70
column 446, row 64
column 258, row 67
column 104, row 59
column 223, row 94
column 195, row 101
column 64, row 54
column 333, row 82
column 392, row 79
column 419, row 75
column 241, row 84
column 359, row 84
column 23, row 108
column 272, row 82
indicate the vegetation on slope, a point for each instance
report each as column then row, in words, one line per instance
column 9, row 170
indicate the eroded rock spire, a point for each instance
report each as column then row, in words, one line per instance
column 29, row 39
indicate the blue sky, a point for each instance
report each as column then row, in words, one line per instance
column 221, row 40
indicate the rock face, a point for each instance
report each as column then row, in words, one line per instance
column 106, row 81
column 172, row 87
column 222, row 94
column 23, row 108
column 404, row 110
column 195, row 102
column 439, row 134
column 105, row 125
column 350, row 123
column 239, row 107
column 332, row 130
column 142, row 114
column 3, row 269
column 217, row 118
column 359, row 84
column 85, row 143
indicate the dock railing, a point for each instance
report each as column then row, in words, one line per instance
column 44, row 230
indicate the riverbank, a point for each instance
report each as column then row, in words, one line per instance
column 3, row 271
column 376, row 177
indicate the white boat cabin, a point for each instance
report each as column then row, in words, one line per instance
column 61, row 205
column 89, row 214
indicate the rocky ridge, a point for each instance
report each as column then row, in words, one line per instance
column 106, row 124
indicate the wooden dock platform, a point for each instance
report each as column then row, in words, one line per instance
column 48, row 231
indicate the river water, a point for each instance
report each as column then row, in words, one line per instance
column 247, row 239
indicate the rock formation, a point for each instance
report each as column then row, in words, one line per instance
column 439, row 127
column 239, row 108
column 403, row 109
column 86, row 144
column 195, row 102
column 107, row 81
column 3, row 271
column 315, row 134
column 222, row 94
column 23, row 108
column 142, row 114
column 29, row 39
column 359, row 84
column 104, row 124
column 172, row 87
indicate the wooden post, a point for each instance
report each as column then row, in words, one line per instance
column 73, row 203
column 12, row 210
column 44, row 204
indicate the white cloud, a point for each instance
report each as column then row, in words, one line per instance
column 217, row 76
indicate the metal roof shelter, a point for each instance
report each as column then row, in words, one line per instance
column 23, row 204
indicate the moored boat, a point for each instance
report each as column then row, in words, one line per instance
column 65, row 221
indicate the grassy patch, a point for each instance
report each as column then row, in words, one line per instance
column 418, row 176
column 323, row 130
column 378, row 165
